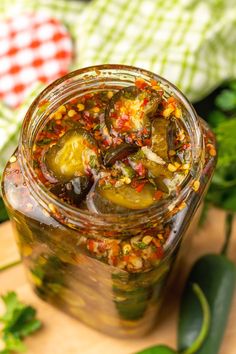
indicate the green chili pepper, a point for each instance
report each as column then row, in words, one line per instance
column 216, row 276
column 158, row 349
column 201, row 335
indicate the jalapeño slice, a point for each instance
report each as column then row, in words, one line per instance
column 129, row 111
column 75, row 154
column 74, row 191
column 118, row 152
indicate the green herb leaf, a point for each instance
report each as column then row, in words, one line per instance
column 93, row 162
column 223, row 121
column 19, row 320
column 226, row 100
column 229, row 202
column 141, row 245
column 14, row 344
column 226, row 136
column 232, row 85
column 215, row 118
column 44, row 141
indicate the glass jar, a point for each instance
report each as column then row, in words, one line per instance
column 97, row 267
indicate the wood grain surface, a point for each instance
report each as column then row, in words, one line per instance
column 64, row 335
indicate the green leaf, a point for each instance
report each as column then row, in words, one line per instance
column 226, row 137
column 30, row 327
column 5, row 351
column 11, row 303
column 19, row 320
column 22, row 324
column 215, row 118
column 14, row 344
column 229, row 203
column 232, row 85
column 158, row 349
column 3, row 212
column 226, row 100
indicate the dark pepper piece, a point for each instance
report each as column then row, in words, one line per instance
column 73, row 191
column 118, row 153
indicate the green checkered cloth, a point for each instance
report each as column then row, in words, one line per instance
column 189, row 42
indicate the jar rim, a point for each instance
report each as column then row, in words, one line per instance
column 74, row 215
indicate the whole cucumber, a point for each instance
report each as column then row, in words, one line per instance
column 216, row 276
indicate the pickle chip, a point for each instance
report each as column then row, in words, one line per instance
column 112, row 199
column 75, row 154
column 129, row 197
column 160, row 128
column 156, row 170
column 128, row 113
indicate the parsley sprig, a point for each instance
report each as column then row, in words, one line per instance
column 18, row 321
column 222, row 192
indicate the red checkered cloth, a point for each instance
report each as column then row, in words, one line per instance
column 33, row 47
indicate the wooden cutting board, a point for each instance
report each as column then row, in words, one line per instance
column 64, row 335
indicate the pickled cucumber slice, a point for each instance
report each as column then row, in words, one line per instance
column 96, row 203
column 73, row 191
column 129, row 111
column 161, row 185
column 75, row 154
column 156, row 170
column 159, row 137
column 118, row 153
column 128, row 197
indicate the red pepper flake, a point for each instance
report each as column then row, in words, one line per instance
column 145, row 102
column 115, row 248
column 102, row 246
column 109, row 233
column 140, row 169
column 114, row 260
column 186, row 146
column 43, row 102
column 102, row 181
column 159, row 252
column 74, row 100
column 145, row 131
column 154, row 83
column 113, row 181
column 126, row 258
column 147, row 142
column 90, row 245
column 123, row 123
column 106, row 143
column 140, row 83
column 140, row 187
column 158, row 195
column 171, row 99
